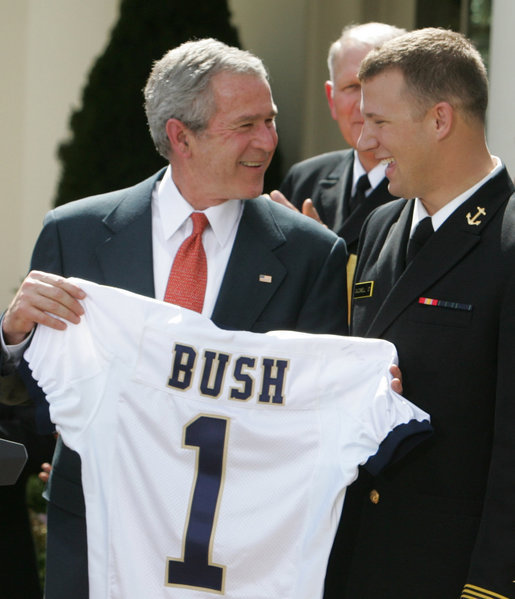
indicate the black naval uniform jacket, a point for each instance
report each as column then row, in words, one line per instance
column 442, row 521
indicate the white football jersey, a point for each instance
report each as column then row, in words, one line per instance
column 213, row 462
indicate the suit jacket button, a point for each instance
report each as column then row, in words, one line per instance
column 374, row 496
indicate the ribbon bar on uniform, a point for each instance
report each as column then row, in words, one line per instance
column 427, row 301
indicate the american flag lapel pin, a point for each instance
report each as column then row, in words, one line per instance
column 265, row 278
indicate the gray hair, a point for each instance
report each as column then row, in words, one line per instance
column 368, row 35
column 179, row 85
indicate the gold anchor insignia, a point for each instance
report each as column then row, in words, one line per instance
column 472, row 220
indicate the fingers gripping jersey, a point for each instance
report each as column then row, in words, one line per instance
column 214, row 462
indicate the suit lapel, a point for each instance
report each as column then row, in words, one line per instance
column 448, row 246
column 253, row 272
column 333, row 190
column 126, row 255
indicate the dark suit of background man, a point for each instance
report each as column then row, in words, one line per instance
column 443, row 524
column 330, row 180
column 211, row 115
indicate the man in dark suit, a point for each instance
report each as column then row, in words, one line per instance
column 436, row 276
column 211, row 115
column 330, row 181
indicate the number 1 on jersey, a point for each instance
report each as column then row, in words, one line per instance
column 207, row 435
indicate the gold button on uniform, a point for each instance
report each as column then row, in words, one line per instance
column 374, row 496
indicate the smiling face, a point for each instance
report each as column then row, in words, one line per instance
column 344, row 92
column 228, row 159
column 396, row 131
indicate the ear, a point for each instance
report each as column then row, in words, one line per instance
column 329, row 87
column 179, row 136
column 443, row 114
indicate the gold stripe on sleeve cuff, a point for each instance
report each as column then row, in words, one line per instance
column 470, row 591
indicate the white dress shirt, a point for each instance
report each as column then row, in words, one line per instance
column 171, row 225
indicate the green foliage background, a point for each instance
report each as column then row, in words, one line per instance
column 37, row 513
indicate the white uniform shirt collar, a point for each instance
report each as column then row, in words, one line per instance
column 438, row 218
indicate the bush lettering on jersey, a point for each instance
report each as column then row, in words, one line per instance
column 211, row 370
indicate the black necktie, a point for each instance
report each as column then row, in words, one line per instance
column 359, row 195
column 422, row 233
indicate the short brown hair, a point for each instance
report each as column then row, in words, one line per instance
column 438, row 65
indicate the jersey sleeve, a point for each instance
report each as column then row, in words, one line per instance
column 71, row 366
column 408, row 425
column 68, row 367
column 390, row 420
column 383, row 424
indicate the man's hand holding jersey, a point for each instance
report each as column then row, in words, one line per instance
column 42, row 298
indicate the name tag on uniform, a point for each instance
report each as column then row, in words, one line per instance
column 364, row 289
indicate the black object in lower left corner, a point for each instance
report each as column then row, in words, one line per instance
column 13, row 457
